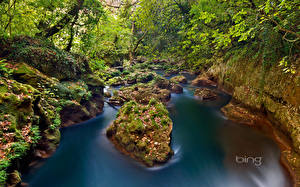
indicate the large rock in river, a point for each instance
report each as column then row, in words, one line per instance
column 143, row 132
column 141, row 93
column 205, row 94
column 179, row 79
column 163, row 83
column 203, row 81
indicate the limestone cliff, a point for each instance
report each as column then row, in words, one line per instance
column 275, row 93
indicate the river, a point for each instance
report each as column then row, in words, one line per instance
column 210, row 151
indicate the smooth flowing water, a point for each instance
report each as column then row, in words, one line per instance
column 209, row 150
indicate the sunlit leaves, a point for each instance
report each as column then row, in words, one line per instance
column 286, row 65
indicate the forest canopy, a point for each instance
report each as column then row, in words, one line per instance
column 191, row 30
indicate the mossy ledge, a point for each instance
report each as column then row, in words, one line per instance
column 143, row 132
column 36, row 101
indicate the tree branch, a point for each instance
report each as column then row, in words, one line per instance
column 69, row 46
column 139, row 41
column 65, row 20
column 10, row 16
column 119, row 6
column 292, row 41
column 284, row 29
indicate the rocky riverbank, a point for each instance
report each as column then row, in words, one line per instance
column 277, row 97
column 41, row 90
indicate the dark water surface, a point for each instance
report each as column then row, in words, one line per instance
column 206, row 147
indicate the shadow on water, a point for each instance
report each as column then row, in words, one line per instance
column 205, row 145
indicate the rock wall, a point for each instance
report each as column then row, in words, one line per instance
column 278, row 94
column 42, row 89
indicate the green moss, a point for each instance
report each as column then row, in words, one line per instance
column 179, row 79
column 5, row 71
column 77, row 91
column 32, row 96
column 145, row 77
column 92, row 80
column 142, row 129
column 4, row 163
column 115, row 73
column 44, row 56
column 116, row 81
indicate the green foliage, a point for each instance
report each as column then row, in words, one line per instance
column 19, row 149
column 35, row 18
column 77, row 91
column 115, row 73
column 109, row 40
column 35, row 131
column 4, row 69
column 287, row 66
column 3, row 175
column 56, row 123
column 210, row 27
column 98, row 66
column 44, row 56
column 152, row 102
column 163, row 20
column 128, row 107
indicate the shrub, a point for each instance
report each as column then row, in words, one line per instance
column 4, row 70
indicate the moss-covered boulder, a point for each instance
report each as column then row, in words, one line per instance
column 144, row 77
column 170, row 72
column 143, row 132
column 131, row 79
column 26, row 74
column 107, row 94
column 73, row 113
column 176, row 88
column 18, row 122
column 92, row 80
column 205, row 94
column 141, row 93
column 163, row 83
column 42, row 89
column 116, row 81
column 203, row 81
column 78, row 91
column 179, row 79
column 139, row 76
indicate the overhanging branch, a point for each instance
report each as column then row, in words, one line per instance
column 65, row 20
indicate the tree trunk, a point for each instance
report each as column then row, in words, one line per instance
column 11, row 15
column 131, row 52
column 65, row 20
column 69, row 46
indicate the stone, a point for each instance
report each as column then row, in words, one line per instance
column 205, row 94
column 141, row 93
column 176, row 88
column 107, row 94
column 203, row 81
column 29, row 75
column 179, row 79
column 14, row 178
column 143, row 132
column 116, row 81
